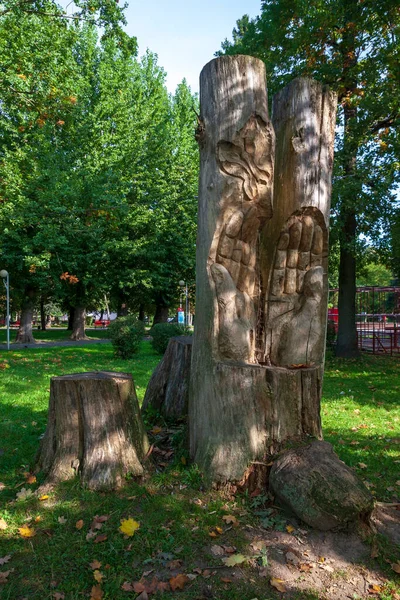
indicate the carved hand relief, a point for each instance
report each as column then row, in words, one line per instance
column 247, row 158
column 297, row 293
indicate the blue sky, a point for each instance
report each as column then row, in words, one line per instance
column 184, row 34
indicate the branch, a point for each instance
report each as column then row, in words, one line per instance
column 387, row 122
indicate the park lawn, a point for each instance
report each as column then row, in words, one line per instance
column 178, row 520
column 55, row 334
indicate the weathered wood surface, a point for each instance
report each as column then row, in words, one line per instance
column 168, row 388
column 94, row 430
column 319, row 488
column 261, row 266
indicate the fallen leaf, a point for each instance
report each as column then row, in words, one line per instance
column 174, row 564
column 5, row 559
column 217, row 550
column 100, row 538
column 138, row 587
column 44, row 497
column 374, row 550
column 305, row 567
column 278, row 584
column 30, row 478
column 4, row 575
column 290, row 528
column 178, row 582
column 23, row 494
column 62, row 520
column 129, row 526
column 58, row 596
column 26, row 531
column 234, row 559
column 374, row 589
column 95, row 565
column 98, row 576
column 143, row 596
column 396, row 566
column 127, row 587
column 229, row 549
column 362, row 465
column 230, row 519
column 3, row 524
column 163, row 586
column 79, row 524
column 219, row 530
column 212, row 534
column 156, row 430
column 97, row 593
column 321, row 559
column 226, row 580
column 90, row 535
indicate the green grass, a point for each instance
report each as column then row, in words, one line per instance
column 173, row 524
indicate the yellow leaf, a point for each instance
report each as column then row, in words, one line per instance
column 79, row 524
column 129, row 526
column 44, row 497
column 3, row 524
column 183, row 460
column 219, row 530
column 278, row 584
column 234, row 559
column 156, row 430
column 26, row 531
column 290, row 528
column 21, row 76
column 98, row 576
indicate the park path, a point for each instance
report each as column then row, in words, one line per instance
column 44, row 344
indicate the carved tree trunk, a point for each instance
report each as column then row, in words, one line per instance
column 94, row 430
column 168, row 388
column 78, row 327
column 24, row 334
column 259, row 339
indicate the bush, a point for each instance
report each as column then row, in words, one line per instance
column 162, row 332
column 126, row 333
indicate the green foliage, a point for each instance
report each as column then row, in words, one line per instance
column 162, row 332
column 126, row 334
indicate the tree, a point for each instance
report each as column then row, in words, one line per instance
column 354, row 48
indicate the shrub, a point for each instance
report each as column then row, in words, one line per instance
column 162, row 332
column 126, row 333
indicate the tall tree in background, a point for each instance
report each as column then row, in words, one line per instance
column 354, row 48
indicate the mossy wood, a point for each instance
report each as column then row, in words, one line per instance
column 94, row 430
column 168, row 390
column 262, row 249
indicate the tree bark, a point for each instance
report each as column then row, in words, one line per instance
column 71, row 314
column 43, row 320
column 78, row 327
column 24, row 334
column 168, row 390
column 161, row 313
column 141, row 313
column 261, row 283
column 94, row 430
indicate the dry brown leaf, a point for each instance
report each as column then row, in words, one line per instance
column 95, row 565
column 163, row 586
column 79, row 524
column 3, row 524
column 138, row 587
column 278, row 584
column 96, row 593
column 174, row 564
column 374, row 588
column 217, row 550
column 362, row 465
column 230, row 520
column 178, row 582
column 305, row 567
column 4, row 575
column 100, row 538
column 58, row 596
column 127, row 587
column 90, row 535
column 396, row 566
column 229, row 549
column 226, row 580
column 30, row 478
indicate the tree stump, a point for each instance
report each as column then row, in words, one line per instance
column 168, row 388
column 94, row 430
column 261, row 266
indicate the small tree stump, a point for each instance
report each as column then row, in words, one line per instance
column 94, row 430
column 168, row 388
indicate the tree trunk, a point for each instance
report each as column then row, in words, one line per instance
column 259, row 339
column 24, row 334
column 94, row 430
column 161, row 314
column 78, row 327
column 43, row 320
column 71, row 316
column 168, row 388
column 141, row 313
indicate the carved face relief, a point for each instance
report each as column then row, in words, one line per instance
column 297, row 292
column 247, row 158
